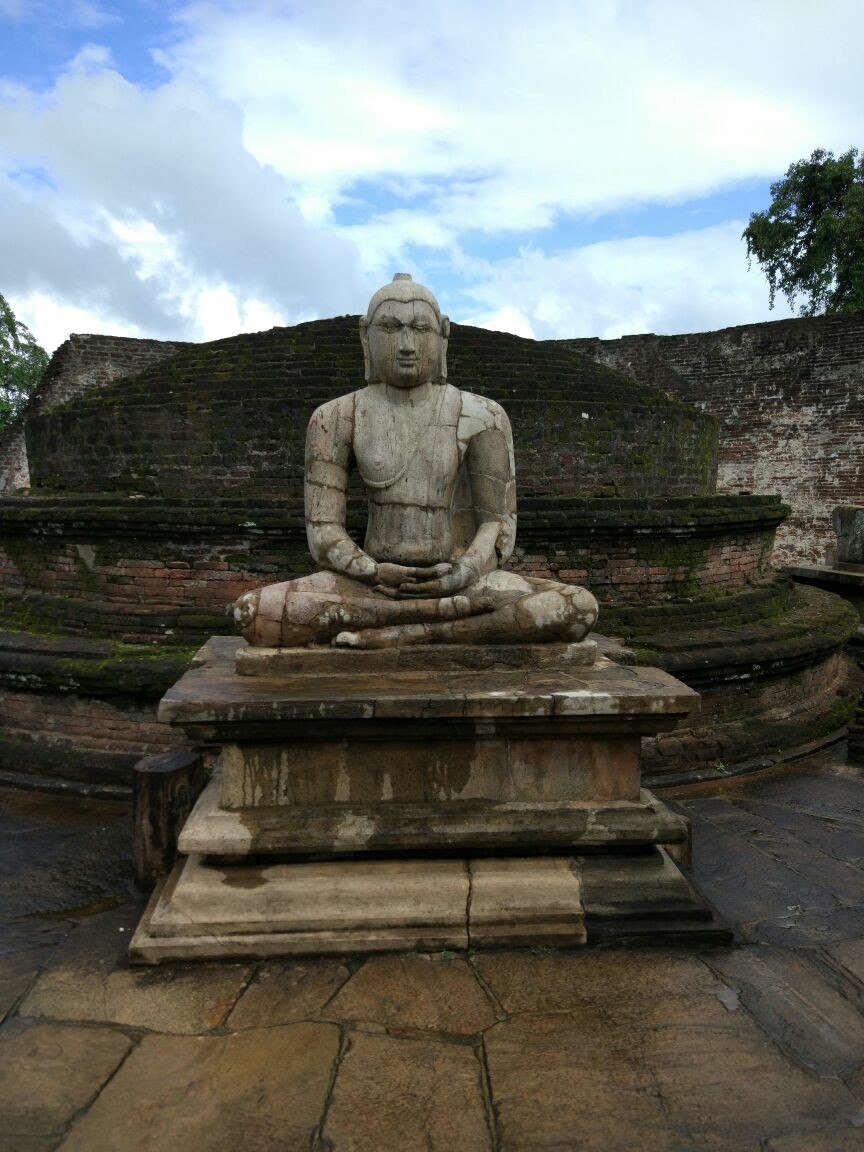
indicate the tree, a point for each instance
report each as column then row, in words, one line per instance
column 810, row 242
column 22, row 364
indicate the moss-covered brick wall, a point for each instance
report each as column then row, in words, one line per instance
column 234, row 413
column 789, row 399
column 156, row 568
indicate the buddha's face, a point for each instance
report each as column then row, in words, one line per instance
column 404, row 343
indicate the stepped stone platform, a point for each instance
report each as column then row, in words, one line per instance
column 440, row 797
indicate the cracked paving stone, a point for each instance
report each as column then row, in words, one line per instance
column 850, row 955
column 407, row 1094
column 669, row 1073
column 286, row 991
column 798, row 1008
column 48, row 1072
column 258, row 1090
column 25, row 947
column 525, row 982
column 89, row 978
column 422, row 992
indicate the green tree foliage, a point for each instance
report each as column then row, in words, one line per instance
column 22, row 364
column 810, row 242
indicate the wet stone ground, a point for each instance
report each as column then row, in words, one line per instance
column 757, row 1047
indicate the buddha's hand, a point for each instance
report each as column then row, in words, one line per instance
column 392, row 579
column 453, row 578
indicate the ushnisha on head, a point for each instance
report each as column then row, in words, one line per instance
column 404, row 335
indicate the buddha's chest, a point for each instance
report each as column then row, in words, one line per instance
column 408, row 454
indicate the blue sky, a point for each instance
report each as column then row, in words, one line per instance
column 570, row 168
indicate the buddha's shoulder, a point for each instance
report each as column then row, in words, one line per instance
column 482, row 414
column 338, row 410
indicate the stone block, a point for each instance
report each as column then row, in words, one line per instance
column 413, row 658
column 319, row 773
column 353, row 829
column 849, row 526
column 296, row 909
column 517, row 902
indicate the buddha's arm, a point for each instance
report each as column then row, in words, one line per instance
column 328, row 460
column 489, row 461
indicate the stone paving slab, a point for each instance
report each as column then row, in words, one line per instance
column 89, row 979
column 48, row 1072
column 407, row 1094
column 261, row 1091
column 285, row 991
column 415, row 993
column 808, row 1018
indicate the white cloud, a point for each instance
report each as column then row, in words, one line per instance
column 210, row 199
column 689, row 282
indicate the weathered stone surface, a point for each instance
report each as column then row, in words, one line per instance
column 48, row 1072
column 25, row 947
column 394, row 1093
column 260, row 1090
column 848, row 520
column 409, row 770
column 672, row 1073
column 295, row 909
column 212, row 700
column 284, row 991
column 226, row 909
column 422, row 992
column 252, row 661
column 850, row 954
column 347, row 829
column 820, row 1028
column 89, row 979
column 524, row 901
column 526, row 982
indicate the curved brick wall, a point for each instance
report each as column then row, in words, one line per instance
column 234, row 412
column 151, row 569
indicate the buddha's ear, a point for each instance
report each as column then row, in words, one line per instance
column 445, row 336
column 364, row 340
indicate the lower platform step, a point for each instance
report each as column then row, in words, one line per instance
column 211, row 911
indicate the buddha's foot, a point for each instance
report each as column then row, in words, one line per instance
column 396, row 637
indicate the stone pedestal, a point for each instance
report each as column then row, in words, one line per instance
column 426, row 798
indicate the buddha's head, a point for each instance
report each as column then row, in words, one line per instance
column 404, row 335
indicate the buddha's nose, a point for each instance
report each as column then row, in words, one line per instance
column 406, row 340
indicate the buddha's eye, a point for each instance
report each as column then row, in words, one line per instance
column 422, row 327
column 388, row 325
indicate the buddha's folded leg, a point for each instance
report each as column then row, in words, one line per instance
column 509, row 609
column 314, row 609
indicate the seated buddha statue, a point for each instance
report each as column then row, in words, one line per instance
column 438, row 471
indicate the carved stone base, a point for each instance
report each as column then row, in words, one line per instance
column 361, row 808
column 214, row 912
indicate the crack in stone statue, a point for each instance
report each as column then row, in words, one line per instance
column 437, row 465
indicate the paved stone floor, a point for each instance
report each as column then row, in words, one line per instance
column 756, row 1047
